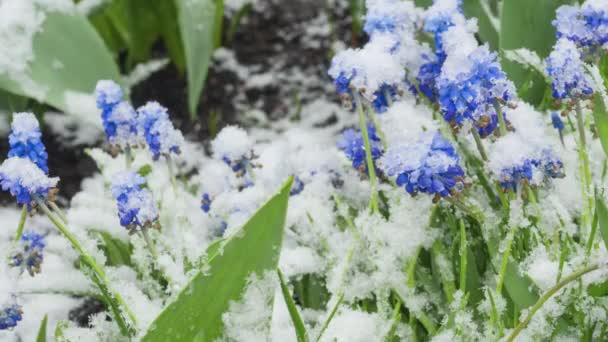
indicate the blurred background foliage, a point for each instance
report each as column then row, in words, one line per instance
column 116, row 36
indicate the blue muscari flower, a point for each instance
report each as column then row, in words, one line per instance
column 206, row 202
column 380, row 104
column 431, row 165
column 512, row 176
column 25, row 140
column 136, row 206
column 440, row 18
column 352, row 144
column 565, row 67
column 29, row 256
column 532, row 171
column 557, row 122
column 427, row 74
column 586, row 26
column 118, row 117
column 25, row 180
column 161, row 136
column 388, row 16
column 471, row 93
column 10, row 316
column 297, row 186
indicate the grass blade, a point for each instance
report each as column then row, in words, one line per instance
column 298, row 323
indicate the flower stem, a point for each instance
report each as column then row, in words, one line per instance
column 502, row 125
column 542, row 300
column 479, row 144
column 505, row 260
column 463, row 257
column 21, row 224
column 149, row 243
column 59, row 212
column 585, row 170
column 371, row 169
column 128, row 157
column 372, row 115
column 99, row 273
column 171, row 173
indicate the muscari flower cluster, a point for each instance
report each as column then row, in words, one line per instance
column 10, row 315
column 234, row 147
column 442, row 15
column 376, row 72
column 25, row 140
column 29, row 256
column 161, row 136
column 136, row 206
column 430, row 165
column 471, row 83
column 565, row 67
column 586, row 25
column 127, row 128
column 352, row 144
column 531, row 172
column 25, row 173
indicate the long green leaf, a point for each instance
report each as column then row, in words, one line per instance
column 520, row 288
column 42, row 330
column 197, row 26
column 602, row 215
column 196, row 314
column 298, row 323
column 527, row 24
column 69, row 58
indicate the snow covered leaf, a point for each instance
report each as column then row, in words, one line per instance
column 42, row 331
column 526, row 58
column 68, row 58
column 196, row 314
column 298, row 323
column 197, row 26
column 600, row 111
column 602, row 214
column 520, row 287
column 527, row 24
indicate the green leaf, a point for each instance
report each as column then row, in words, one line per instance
column 42, row 330
column 298, row 323
column 527, row 24
column 602, row 215
column 520, row 288
column 68, row 41
column 145, row 170
column 357, row 12
column 117, row 252
column 169, row 30
column 197, row 25
column 196, row 314
column 59, row 328
column 600, row 116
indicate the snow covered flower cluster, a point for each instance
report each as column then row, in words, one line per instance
column 586, row 25
column 438, row 205
column 29, row 255
column 127, row 128
column 136, row 206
